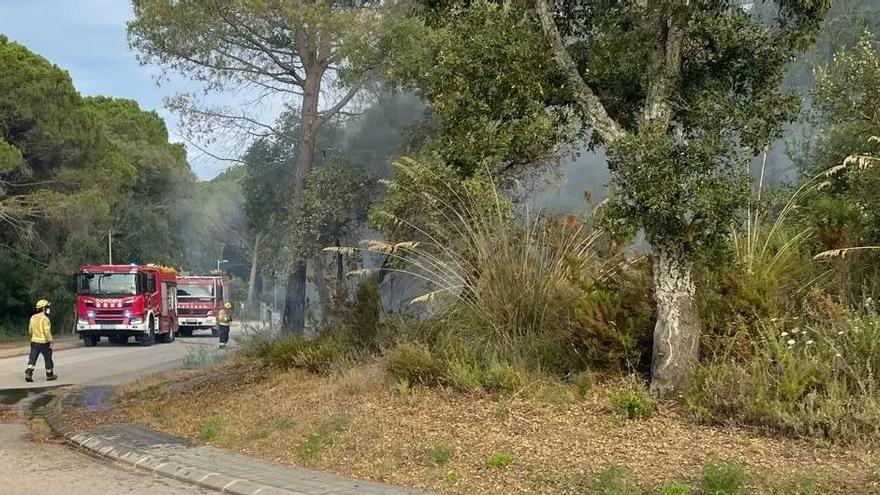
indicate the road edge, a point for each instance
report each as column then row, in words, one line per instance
column 111, row 449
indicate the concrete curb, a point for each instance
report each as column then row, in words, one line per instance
column 182, row 472
column 177, row 458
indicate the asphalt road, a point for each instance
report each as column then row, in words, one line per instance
column 27, row 467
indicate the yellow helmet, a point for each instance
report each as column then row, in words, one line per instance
column 228, row 305
column 42, row 303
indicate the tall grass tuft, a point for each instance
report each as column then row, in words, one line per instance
column 508, row 283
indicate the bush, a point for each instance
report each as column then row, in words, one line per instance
column 414, row 363
column 318, row 354
column 615, row 317
column 464, row 376
column 723, row 478
column 803, row 381
column 361, row 318
column 614, row 480
column 503, row 377
column 633, row 401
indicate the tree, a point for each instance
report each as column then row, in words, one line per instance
column 278, row 48
column 681, row 94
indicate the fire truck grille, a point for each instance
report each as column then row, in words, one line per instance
column 192, row 312
column 108, row 322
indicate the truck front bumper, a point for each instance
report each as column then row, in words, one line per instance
column 82, row 326
column 198, row 321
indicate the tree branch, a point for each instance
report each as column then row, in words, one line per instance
column 326, row 115
column 599, row 119
column 664, row 69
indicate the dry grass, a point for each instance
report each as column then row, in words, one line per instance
column 384, row 436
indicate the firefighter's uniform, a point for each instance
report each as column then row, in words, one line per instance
column 224, row 319
column 40, row 330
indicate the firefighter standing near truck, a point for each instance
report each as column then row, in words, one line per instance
column 224, row 319
column 40, row 330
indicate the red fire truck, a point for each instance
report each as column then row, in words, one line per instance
column 124, row 301
column 199, row 298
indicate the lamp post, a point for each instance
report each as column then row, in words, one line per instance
column 218, row 264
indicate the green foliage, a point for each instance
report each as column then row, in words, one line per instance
column 615, row 318
column 439, row 454
column 482, row 72
column 361, row 319
column 211, row 429
column 723, row 478
column 632, row 401
column 414, row 363
column 323, row 434
column 807, row 378
column 499, row 460
column 675, row 488
column 504, row 377
column 317, row 354
column 614, row 480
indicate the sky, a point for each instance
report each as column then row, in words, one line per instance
column 88, row 39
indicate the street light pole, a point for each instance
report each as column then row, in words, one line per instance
column 218, row 264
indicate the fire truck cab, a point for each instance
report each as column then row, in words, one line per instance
column 124, row 301
column 199, row 298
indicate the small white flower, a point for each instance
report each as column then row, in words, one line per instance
column 795, row 330
column 791, row 341
column 840, row 332
column 838, row 354
column 785, row 334
column 809, row 342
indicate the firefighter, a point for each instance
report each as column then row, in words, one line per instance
column 224, row 319
column 40, row 330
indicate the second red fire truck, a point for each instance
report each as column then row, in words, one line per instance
column 199, row 298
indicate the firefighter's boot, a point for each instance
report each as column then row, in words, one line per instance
column 50, row 375
column 28, row 375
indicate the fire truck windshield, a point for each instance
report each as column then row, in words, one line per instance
column 195, row 291
column 107, row 284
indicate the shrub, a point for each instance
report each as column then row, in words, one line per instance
column 615, row 316
column 632, row 401
column 675, row 488
column 464, row 376
column 583, row 383
column 439, row 454
column 318, row 354
column 361, row 318
column 723, row 478
column 614, row 480
column 499, row 460
column 802, row 381
column 414, row 363
column 504, row 377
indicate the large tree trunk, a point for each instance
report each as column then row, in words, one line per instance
column 323, row 293
column 294, row 318
column 252, row 279
column 677, row 333
column 295, row 304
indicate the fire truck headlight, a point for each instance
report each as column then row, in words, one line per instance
column 127, row 313
column 91, row 313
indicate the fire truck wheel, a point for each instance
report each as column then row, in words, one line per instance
column 147, row 339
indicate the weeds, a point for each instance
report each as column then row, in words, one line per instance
column 324, row 433
column 210, row 429
column 614, row 480
column 200, row 357
column 633, row 401
column 439, row 454
column 499, row 460
column 723, row 478
column 414, row 363
column 675, row 488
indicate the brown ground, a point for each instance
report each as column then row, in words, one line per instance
column 361, row 426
